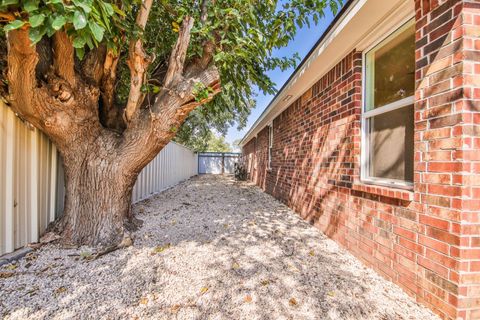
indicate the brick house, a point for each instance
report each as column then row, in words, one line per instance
column 375, row 139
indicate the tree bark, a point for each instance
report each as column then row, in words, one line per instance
column 97, row 199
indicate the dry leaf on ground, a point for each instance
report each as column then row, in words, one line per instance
column 160, row 249
column 4, row 275
column 265, row 282
column 293, row 302
column 175, row 308
column 60, row 290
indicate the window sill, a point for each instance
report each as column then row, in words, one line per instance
column 389, row 192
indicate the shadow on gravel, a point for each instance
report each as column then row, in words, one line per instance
column 210, row 248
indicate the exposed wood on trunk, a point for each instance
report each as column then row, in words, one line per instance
column 138, row 62
column 109, row 78
column 22, row 61
column 111, row 114
column 63, row 57
column 179, row 53
column 7, row 16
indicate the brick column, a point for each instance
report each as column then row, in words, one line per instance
column 447, row 154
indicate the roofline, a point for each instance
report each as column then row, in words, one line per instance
column 299, row 67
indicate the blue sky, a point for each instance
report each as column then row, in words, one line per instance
column 303, row 42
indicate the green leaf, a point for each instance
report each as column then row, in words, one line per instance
column 79, row 20
column 15, row 24
column 50, row 31
column 9, row 2
column 108, row 8
column 30, row 5
column 79, row 42
column 118, row 11
column 155, row 89
column 36, row 20
column 85, row 6
column 36, row 34
column 89, row 42
column 59, row 22
column 80, row 53
column 97, row 31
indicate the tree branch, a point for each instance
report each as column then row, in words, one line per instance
column 109, row 78
column 92, row 65
column 209, row 78
column 190, row 106
column 155, row 127
column 22, row 60
column 179, row 53
column 203, row 12
column 201, row 63
column 138, row 62
column 7, row 16
column 63, row 57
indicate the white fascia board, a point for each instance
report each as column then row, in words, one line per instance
column 280, row 97
column 362, row 21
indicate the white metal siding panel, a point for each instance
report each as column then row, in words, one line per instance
column 25, row 182
column 6, row 213
column 172, row 165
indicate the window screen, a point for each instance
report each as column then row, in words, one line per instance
column 391, row 144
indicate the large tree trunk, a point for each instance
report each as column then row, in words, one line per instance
column 101, row 162
column 97, row 199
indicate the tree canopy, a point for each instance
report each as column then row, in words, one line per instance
column 207, row 141
column 239, row 35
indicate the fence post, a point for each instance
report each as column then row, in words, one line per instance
column 223, row 163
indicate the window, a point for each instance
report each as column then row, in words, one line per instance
column 270, row 145
column 388, row 115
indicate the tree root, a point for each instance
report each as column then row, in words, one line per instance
column 126, row 242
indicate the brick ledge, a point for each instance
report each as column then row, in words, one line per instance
column 389, row 192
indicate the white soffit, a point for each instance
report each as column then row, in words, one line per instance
column 359, row 26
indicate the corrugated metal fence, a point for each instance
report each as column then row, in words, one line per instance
column 217, row 162
column 27, row 182
column 31, row 180
column 173, row 164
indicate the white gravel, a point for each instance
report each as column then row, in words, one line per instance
column 210, row 248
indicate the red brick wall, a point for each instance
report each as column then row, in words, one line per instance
column 256, row 155
column 427, row 241
column 448, row 150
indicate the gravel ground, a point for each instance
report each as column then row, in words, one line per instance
column 210, row 248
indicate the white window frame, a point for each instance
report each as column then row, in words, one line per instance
column 366, row 115
column 270, row 145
